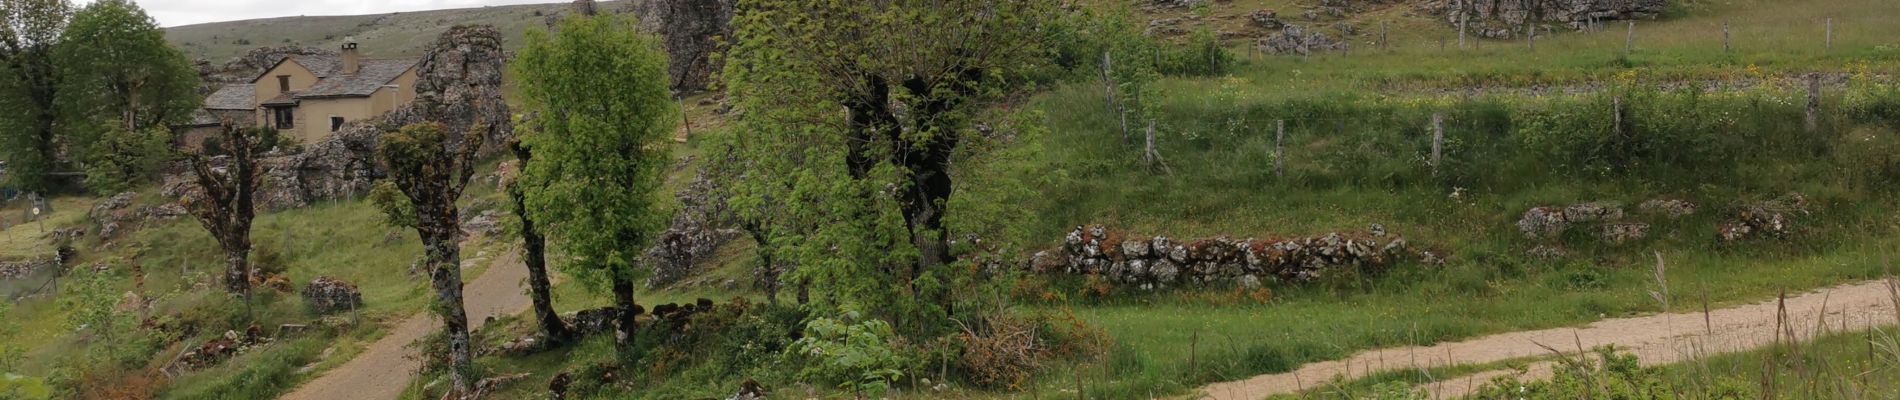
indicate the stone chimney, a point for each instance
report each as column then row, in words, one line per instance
column 352, row 61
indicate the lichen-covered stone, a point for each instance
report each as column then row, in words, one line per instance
column 328, row 295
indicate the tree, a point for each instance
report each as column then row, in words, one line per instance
column 599, row 144
column 908, row 74
column 536, row 247
column 224, row 205
column 117, row 68
column 29, row 84
column 432, row 168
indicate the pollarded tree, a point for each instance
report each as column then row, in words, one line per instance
column 224, row 205
column 29, row 83
column 907, row 75
column 432, row 168
column 116, row 66
column 599, row 88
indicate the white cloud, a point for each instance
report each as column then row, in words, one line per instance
column 186, row 12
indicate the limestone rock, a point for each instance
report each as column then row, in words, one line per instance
column 1267, row 19
column 1672, row 208
column 1504, row 19
column 1298, row 40
column 327, row 295
column 1618, row 233
column 689, row 31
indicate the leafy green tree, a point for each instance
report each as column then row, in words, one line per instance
column 599, row 146
column 432, row 168
column 29, row 84
column 89, row 298
column 117, row 68
column 875, row 179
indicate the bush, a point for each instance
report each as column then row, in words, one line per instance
column 854, row 352
column 1001, row 351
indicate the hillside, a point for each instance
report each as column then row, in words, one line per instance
column 381, row 35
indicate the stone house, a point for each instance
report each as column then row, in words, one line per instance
column 306, row 97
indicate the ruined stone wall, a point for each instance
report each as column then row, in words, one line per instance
column 1155, row 262
column 1503, row 19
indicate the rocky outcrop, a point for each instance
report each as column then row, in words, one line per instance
column 458, row 84
column 117, row 215
column 1267, row 19
column 243, row 68
column 1670, row 208
column 1503, row 19
column 696, row 232
column 1153, row 262
column 327, row 295
column 13, row 270
column 1297, row 40
column 689, row 31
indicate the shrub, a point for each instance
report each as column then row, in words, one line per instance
column 1001, row 351
column 850, row 350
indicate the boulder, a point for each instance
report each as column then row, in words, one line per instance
column 1618, row 233
column 1267, row 19
column 328, row 295
column 1671, row 208
column 1298, row 40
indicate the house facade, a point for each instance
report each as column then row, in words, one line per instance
column 307, row 97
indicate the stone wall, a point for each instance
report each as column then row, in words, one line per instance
column 1155, row 262
column 1504, row 19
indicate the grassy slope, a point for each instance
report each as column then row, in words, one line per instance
column 344, row 240
column 381, row 35
column 1487, row 287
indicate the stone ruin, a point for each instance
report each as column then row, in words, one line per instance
column 603, row 320
column 1505, row 19
column 458, row 83
column 1773, row 218
column 1159, row 262
column 327, row 295
column 1298, row 40
column 219, row 349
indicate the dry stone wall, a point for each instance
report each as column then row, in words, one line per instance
column 1504, row 19
column 1155, row 262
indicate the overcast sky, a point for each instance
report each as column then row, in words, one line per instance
column 186, row 12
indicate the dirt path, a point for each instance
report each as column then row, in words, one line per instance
column 1656, row 339
column 384, row 369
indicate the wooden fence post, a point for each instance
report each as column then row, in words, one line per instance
column 1438, row 141
column 1384, row 44
column 1629, row 39
column 1461, row 30
column 686, row 120
column 1532, row 37
column 1279, row 148
column 1814, row 103
column 1725, row 38
column 1830, row 33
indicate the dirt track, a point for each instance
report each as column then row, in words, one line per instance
column 384, row 369
column 1656, row 339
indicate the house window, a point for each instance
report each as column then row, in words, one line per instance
column 336, row 123
column 283, row 83
column 286, row 119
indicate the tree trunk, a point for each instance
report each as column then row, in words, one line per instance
column 535, row 247
column 538, row 284
column 623, row 300
column 445, row 276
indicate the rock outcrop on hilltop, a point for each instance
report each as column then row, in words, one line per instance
column 689, row 30
column 1503, row 19
column 242, row 69
column 458, row 84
